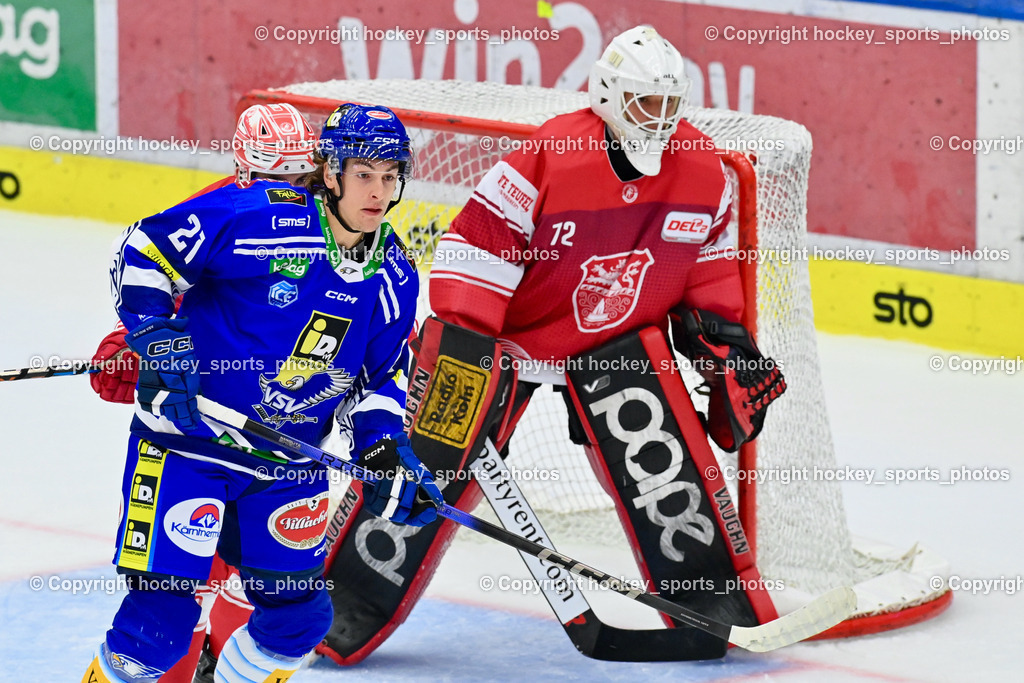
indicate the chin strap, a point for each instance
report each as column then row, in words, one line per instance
column 401, row 191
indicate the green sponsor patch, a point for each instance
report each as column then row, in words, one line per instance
column 294, row 268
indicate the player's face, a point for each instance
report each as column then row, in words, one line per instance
column 649, row 111
column 367, row 188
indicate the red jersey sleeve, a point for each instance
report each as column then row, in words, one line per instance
column 479, row 262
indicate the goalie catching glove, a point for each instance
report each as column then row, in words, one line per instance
column 400, row 477
column 742, row 382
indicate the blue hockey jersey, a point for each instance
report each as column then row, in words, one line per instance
column 288, row 328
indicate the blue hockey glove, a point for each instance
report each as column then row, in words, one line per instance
column 400, row 477
column 168, row 370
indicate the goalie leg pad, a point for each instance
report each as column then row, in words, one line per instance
column 460, row 388
column 460, row 391
column 646, row 437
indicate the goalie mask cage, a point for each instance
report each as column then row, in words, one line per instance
column 798, row 526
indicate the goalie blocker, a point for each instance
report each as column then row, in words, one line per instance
column 648, row 447
column 459, row 393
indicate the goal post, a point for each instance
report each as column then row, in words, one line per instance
column 798, row 527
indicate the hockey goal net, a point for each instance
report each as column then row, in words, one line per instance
column 795, row 519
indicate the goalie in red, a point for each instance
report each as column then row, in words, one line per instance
column 581, row 250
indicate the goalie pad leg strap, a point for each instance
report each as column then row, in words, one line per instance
column 646, row 435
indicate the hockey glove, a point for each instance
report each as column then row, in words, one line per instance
column 400, row 477
column 119, row 372
column 168, row 370
column 742, row 382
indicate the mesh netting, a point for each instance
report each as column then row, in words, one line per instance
column 802, row 534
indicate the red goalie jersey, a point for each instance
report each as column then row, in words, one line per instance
column 556, row 255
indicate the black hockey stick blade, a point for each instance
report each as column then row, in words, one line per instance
column 78, row 367
column 589, row 635
column 816, row 616
column 821, row 613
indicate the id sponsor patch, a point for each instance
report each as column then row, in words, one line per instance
column 151, row 453
column 194, row 525
column 140, row 516
column 135, row 543
column 144, row 490
column 300, row 524
column 452, row 406
column 683, row 226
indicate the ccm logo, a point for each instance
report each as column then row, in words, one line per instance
column 162, row 348
column 681, row 226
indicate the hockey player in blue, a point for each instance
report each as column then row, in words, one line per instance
column 296, row 310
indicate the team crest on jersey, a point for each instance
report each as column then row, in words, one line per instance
column 608, row 292
column 308, row 376
column 282, row 293
column 629, row 193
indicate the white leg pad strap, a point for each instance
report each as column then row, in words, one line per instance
column 242, row 661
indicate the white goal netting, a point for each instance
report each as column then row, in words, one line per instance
column 802, row 536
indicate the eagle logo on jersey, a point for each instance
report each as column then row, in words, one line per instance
column 608, row 292
column 309, row 369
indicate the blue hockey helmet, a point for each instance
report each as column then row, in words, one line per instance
column 362, row 131
column 365, row 132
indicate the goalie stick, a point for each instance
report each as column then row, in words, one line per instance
column 591, row 636
column 821, row 613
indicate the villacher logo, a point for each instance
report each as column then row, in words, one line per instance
column 300, row 524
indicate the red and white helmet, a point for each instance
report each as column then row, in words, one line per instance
column 272, row 139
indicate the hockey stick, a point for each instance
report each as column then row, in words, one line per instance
column 76, row 367
column 821, row 613
column 591, row 636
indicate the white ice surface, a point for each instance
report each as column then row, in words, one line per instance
column 62, row 449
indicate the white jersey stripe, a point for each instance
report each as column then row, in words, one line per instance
column 473, row 281
column 133, row 276
column 390, row 287
column 280, row 240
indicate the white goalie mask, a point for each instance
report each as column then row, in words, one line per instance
column 639, row 64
